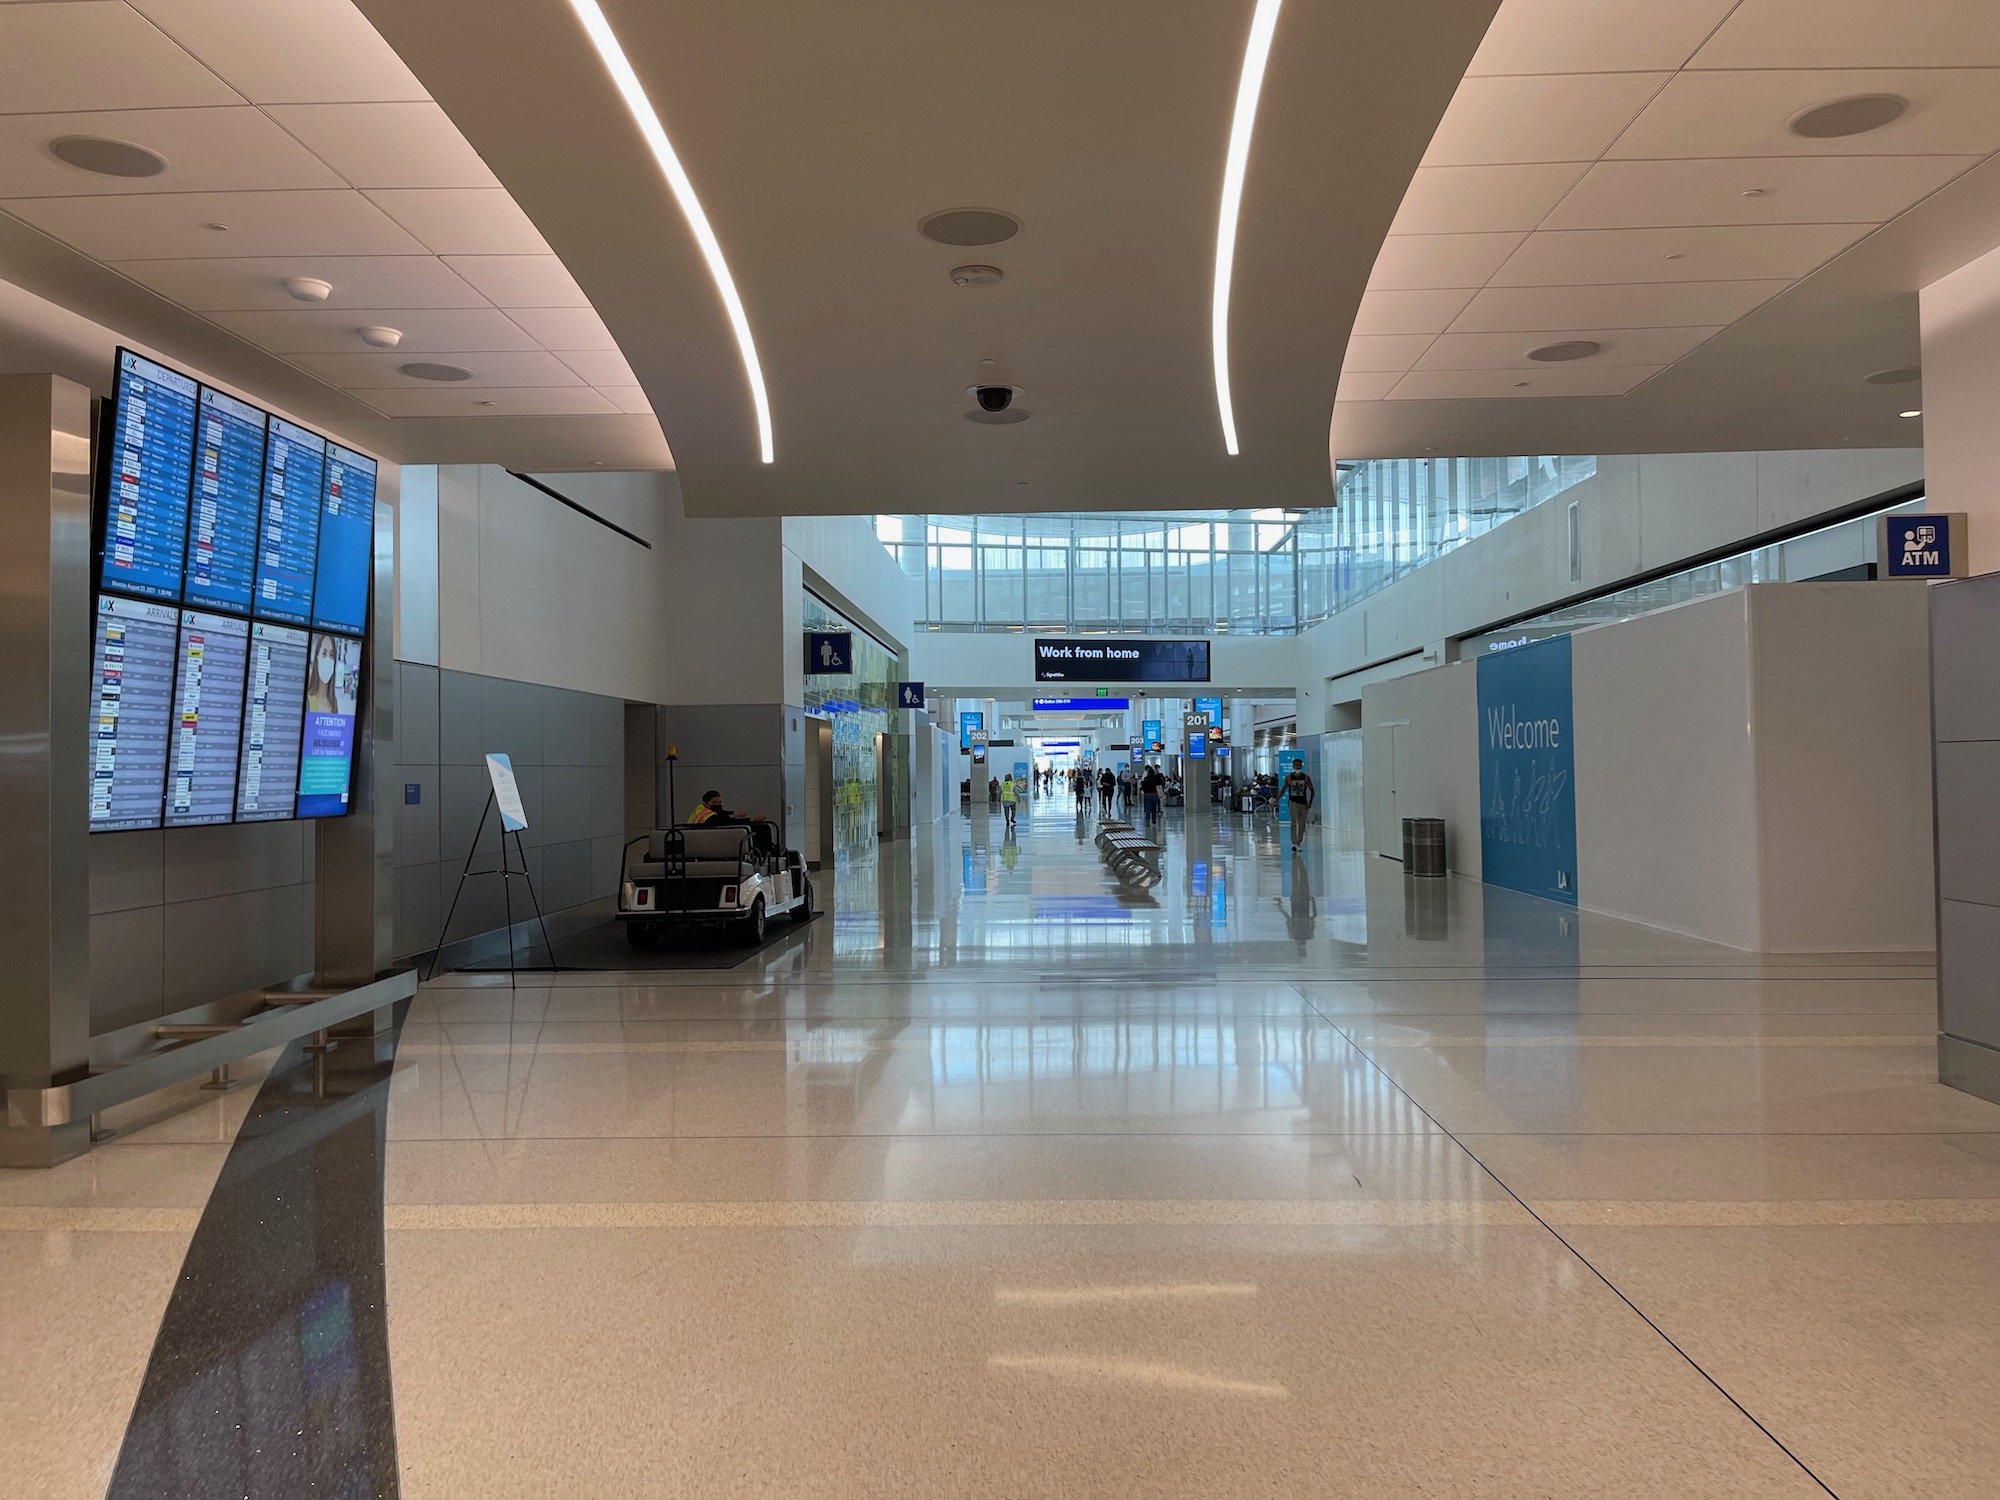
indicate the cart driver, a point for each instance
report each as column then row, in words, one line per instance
column 711, row 811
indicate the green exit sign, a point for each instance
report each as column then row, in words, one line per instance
column 1104, row 692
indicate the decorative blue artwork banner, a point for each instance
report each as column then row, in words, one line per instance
column 1527, row 770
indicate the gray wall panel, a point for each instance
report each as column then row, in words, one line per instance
column 234, row 857
column 224, row 944
column 1965, row 659
column 566, row 803
column 566, row 728
column 416, row 714
column 126, row 870
column 126, row 969
column 1969, row 971
column 1968, row 785
column 607, row 800
column 417, row 826
column 461, row 719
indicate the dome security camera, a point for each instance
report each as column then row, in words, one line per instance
column 994, row 397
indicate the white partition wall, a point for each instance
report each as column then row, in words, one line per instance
column 1420, row 759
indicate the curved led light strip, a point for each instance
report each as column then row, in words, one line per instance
column 606, row 41
column 1255, row 55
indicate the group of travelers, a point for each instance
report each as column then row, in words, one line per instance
column 1144, row 787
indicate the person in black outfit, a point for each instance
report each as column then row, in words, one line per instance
column 1106, row 785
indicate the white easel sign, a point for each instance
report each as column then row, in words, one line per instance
column 506, row 793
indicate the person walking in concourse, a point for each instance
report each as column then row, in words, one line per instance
column 1301, row 794
column 1150, row 787
column 1106, row 784
column 1010, row 797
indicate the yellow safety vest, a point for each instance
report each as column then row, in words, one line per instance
column 702, row 813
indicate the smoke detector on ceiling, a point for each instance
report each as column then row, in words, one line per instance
column 975, row 275
column 106, row 157
column 307, row 288
column 378, row 337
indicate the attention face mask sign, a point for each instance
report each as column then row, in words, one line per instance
column 1527, row 770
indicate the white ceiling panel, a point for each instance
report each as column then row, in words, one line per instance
column 1366, row 385
column 376, row 369
column 1384, row 311
column 1463, row 385
column 565, row 327
column 411, row 145
column 223, row 149
column 628, row 399
column 1419, row 261
column 1396, row 351
column 1689, row 304
column 463, row 221
column 520, row 280
column 598, row 366
column 1593, row 36
column 1573, row 257
column 1784, row 189
column 289, row 51
column 96, row 54
column 1953, row 111
column 151, row 225
column 359, row 281
column 307, row 330
column 1856, row 34
column 491, row 401
column 1471, row 200
column 1547, row 119
column 1509, row 351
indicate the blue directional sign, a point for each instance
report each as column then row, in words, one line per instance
column 909, row 695
column 829, row 653
column 1081, row 705
column 1918, row 546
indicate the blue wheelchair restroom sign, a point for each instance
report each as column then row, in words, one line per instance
column 909, row 695
column 829, row 653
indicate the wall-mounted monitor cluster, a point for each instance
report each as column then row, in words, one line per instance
column 233, row 557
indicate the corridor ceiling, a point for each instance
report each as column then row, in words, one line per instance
column 1623, row 172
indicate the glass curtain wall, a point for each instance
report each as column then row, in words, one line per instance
column 1214, row 572
column 860, row 708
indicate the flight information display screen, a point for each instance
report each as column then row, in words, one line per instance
column 288, row 540
column 150, row 460
column 333, row 700
column 1061, row 660
column 274, row 703
column 207, row 715
column 132, row 687
column 223, row 508
column 346, row 542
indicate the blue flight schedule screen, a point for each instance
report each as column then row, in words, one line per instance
column 222, row 516
column 152, row 454
column 288, row 539
column 346, row 542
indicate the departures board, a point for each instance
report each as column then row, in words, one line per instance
column 233, row 556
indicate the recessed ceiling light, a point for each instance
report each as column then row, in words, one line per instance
column 1900, row 375
column 976, row 275
column 605, row 40
column 482, row 403
column 1852, row 116
column 1256, row 54
column 378, row 337
column 1520, row 383
column 969, row 226
column 1675, row 255
column 425, row 370
column 1753, row 192
column 218, row 228
column 106, row 157
column 307, row 288
column 1005, row 418
column 1550, row 354
column 1918, row 412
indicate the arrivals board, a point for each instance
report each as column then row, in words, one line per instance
column 149, row 462
column 132, row 687
column 346, row 542
column 274, row 701
column 288, row 541
column 223, row 508
column 206, row 719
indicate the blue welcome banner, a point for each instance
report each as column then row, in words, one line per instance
column 1527, row 770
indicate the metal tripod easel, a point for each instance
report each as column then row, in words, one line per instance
column 508, row 875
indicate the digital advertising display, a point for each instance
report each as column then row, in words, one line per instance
column 235, row 551
column 1070, row 660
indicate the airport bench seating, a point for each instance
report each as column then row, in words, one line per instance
column 1132, row 857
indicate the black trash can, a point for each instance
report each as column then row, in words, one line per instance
column 1423, row 847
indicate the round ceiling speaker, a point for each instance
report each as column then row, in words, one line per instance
column 1555, row 354
column 976, row 275
column 1901, row 375
column 1853, row 116
column 969, row 226
column 106, row 157
column 1007, row 418
column 425, row 370
column 378, row 337
column 307, row 288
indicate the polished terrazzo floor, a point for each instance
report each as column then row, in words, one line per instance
column 1287, row 1178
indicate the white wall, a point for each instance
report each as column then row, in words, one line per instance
column 1842, row 708
column 1960, row 318
column 1666, row 787
column 1419, row 736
